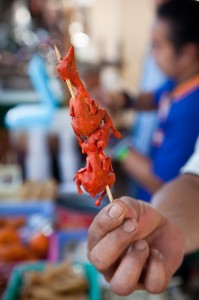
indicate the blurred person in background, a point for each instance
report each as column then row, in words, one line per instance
column 151, row 79
column 176, row 51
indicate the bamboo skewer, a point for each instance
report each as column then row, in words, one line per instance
column 110, row 196
column 71, row 89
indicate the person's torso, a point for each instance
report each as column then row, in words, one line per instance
column 175, row 137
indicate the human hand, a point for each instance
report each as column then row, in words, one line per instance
column 134, row 246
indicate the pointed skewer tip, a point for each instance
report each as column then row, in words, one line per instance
column 57, row 52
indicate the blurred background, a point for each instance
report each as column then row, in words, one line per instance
column 39, row 154
column 109, row 58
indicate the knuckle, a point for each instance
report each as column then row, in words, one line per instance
column 117, row 241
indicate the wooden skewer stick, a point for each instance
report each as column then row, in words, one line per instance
column 57, row 52
column 69, row 84
column 71, row 89
column 68, row 80
column 110, row 196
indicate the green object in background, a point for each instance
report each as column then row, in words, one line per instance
column 121, row 150
column 93, row 278
column 122, row 154
column 16, row 280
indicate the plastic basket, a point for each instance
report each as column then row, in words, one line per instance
column 5, row 272
column 16, row 280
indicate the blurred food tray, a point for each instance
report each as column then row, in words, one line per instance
column 16, row 281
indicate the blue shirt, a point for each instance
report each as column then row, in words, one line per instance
column 178, row 129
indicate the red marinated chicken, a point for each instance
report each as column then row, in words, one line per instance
column 97, row 174
column 98, row 140
column 92, row 126
column 67, row 68
column 87, row 117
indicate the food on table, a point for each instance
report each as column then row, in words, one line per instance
column 15, row 222
column 8, row 235
column 92, row 126
column 15, row 252
column 11, row 246
column 14, row 249
column 56, row 282
column 38, row 190
column 39, row 244
column 18, row 244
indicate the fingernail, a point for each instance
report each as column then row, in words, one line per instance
column 157, row 253
column 115, row 212
column 140, row 245
column 130, row 225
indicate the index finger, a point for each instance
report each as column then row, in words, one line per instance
column 108, row 219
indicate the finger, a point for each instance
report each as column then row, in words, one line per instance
column 157, row 276
column 111, row 247
column 108, row 274
column 108, row 219
column 126, row 277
